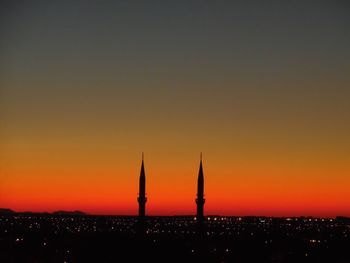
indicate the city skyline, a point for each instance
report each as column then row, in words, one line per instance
column 261, row 88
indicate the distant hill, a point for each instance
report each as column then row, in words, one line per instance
column 76, row 212
column 6, row 211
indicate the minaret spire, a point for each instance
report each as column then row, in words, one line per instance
column 200, row 193
column 142, row 191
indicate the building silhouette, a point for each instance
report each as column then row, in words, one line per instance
column 200, row 193
column 200, row 200
column 142, row 192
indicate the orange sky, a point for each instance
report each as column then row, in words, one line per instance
column 103, row 180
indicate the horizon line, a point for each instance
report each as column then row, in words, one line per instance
column 170, row 215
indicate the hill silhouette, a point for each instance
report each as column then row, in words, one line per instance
column 7, row 211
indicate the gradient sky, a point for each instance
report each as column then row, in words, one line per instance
column 262, row 88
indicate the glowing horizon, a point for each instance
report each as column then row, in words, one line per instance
column 111, row 197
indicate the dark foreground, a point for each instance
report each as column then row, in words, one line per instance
column 67, row 238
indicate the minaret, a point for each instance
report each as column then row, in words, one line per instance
column 142, row 192
column 200, row 193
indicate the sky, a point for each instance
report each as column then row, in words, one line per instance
column 262, row 88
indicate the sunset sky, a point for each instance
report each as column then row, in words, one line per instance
column 262, row 88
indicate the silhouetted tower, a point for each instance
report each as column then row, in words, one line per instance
column 200, row 193
column 142, row 192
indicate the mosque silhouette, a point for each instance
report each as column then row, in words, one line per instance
column 142, row 199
